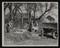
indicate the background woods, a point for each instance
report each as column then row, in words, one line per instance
column 26, row 12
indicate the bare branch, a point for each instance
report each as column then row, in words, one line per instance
column 52, row 5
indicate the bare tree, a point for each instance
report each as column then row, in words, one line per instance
column 52, row 5
column 29, row 9
column 17, row 8
column 34, row 10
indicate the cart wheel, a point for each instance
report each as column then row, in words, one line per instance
column 54, row 35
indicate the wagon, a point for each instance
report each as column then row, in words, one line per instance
column 46, row 29
column 51, row 28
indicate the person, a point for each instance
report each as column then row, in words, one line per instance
column 7, row 27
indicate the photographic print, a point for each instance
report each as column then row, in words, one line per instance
column 30, row 24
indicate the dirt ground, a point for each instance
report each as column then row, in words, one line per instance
column 9, row 39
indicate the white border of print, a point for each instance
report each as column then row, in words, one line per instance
column 3, row 26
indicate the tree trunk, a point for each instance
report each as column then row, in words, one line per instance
column 34, row 11
column 34, row 15
column 28, row 17
column 30, row 25
column 22, row 21
column 10, row 8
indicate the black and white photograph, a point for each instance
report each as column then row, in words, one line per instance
column 30, row 24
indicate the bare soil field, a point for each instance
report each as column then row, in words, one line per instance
column 27, row 39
